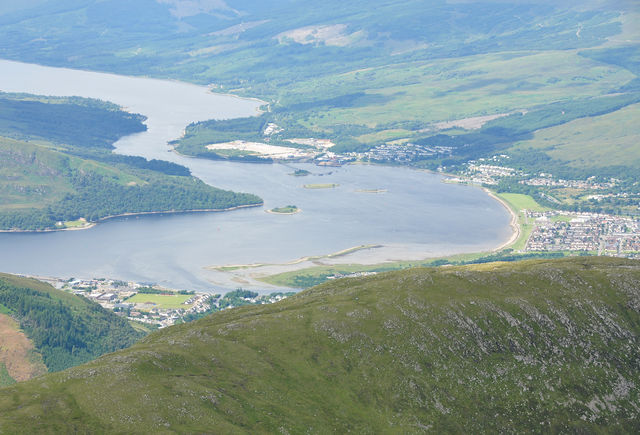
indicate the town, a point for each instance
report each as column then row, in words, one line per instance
column 156, row 306
column 587, row 232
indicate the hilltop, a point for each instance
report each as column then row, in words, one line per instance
column 539, row 345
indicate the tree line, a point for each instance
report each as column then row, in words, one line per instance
column 66, row 335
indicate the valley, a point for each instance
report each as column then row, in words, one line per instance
column 140, row 245
column 380, row 216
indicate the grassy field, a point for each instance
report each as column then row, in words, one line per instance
column 161, row 301
column 307, row 277
column 304, row 278
column 606, row 140
column 79, row 223
column 459, row 88
column 233, row 152
column 521, row 202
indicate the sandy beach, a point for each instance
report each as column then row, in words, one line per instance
column 515, row 225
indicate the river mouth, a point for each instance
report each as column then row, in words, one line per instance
column 418, row 216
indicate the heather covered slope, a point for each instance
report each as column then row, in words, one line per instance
column 533, row 346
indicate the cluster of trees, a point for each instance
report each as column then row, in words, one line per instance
column 75, row 124
column 151, row 291
column 235, row 298
column 66, row 335
column 97, row 196
column 87, row 128
column 106, row 156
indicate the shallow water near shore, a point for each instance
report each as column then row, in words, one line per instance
column 413, row 216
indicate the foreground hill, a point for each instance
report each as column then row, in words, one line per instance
column 537, row 346
column 44, row 328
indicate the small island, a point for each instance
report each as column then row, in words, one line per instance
column 321, row 186
column 289, row 209
column 300, row 173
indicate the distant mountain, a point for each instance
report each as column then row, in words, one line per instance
column 539, row 346
column 375, row 72
column 52, row 328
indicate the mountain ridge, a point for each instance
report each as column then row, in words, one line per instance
column 496, row 347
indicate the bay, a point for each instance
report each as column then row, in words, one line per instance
column 417, row 216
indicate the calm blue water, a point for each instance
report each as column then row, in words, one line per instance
column 418, row 216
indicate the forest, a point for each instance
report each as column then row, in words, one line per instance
column 66, row 332
column 97, row 197
column 75, row 122
column 61, row 167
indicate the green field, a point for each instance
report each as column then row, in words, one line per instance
column 232, row 152
column 308, row 277
column 161, row 301
column 607, row 140
column 492, row 83
column 521, row 202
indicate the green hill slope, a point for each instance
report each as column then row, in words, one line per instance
column 361, row 73
column 41, row 189
column 65, row 329
column 57, row 169
column 535, row 346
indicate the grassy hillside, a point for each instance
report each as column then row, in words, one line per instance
column 606, row 140
column 362, row 73
column 549, row 346
column 64, row 330
column 41, row 188
column 59, row 171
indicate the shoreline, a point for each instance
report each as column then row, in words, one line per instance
column 232, row 267
column 142, row 213
column 514, row 223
